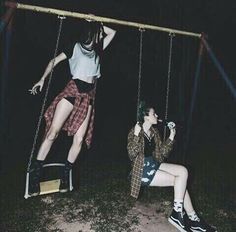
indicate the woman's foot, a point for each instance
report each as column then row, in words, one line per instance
column 34, row 189
column 34, row 178
column 200, row 226
column 177, row 220
column 197, row 226
column 64, row 185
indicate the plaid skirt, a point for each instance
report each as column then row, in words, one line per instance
column 150, row 167
column 78, row 114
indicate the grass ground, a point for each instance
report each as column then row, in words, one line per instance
column 101, row 204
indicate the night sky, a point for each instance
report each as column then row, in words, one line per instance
column 33, row 43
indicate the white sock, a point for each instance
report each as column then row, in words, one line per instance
column 193, row 216
column 178, row 205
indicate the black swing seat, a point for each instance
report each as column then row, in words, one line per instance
column 49, row 186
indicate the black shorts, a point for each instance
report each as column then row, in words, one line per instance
column 83, row 87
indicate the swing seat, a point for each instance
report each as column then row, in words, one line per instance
column 49, row 186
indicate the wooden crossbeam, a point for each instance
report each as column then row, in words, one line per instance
column 98, row 18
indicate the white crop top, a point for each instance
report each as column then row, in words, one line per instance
column 84, row 63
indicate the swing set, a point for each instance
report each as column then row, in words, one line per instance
column 52, row 186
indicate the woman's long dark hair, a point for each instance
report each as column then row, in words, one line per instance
column 91, row 32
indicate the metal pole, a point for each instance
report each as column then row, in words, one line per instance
column 220, row 68
column 194, row 93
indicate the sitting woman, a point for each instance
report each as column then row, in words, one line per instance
column 147, row 153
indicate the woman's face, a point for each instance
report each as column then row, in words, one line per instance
column 151, row 117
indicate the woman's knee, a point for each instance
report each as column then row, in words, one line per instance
column 183, row 171
column 78, row 139
column 52, row 134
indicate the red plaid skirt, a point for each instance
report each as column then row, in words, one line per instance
column 78, row 113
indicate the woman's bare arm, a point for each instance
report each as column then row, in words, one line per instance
column 40, row 83
column 110, row 33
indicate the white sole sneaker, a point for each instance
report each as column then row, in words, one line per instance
column 197, row 230
column 171, row 221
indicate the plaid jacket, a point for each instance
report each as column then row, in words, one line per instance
column 136, row 154
column 78, row 113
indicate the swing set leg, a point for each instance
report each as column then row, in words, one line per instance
column 26, row 196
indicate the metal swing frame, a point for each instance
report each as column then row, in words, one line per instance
column 200, row 36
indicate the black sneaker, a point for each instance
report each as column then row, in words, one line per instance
column 34, row 178
column 210, row 228
column 177, row 220
column 64, row 186
column 34, row 189
column 200, row 226
column 186, row 221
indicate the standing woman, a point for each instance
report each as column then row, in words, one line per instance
column 147, row 153
column 73, row 109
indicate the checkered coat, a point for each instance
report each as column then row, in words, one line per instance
column 78, row 113
column 135, row 148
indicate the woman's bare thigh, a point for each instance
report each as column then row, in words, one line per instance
column 162, row 179
column 63, row 110
column 83, row 128
column 173, row 169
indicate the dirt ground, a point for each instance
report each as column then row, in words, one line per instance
column 150, row 219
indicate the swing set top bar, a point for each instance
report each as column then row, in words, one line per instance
column 98, row 18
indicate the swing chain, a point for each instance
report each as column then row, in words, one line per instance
column 140, row 69
column 46, row 94
column 168, row 81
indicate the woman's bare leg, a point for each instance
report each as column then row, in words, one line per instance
column 74, row 152
column 170, row 175
column 181, row 176
column 174, row 175
column 62, row 112
column 78, row 138
column 188, row 206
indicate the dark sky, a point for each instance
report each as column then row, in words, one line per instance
column 33, row 43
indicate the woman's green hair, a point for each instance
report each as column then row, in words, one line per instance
column 143, row 110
